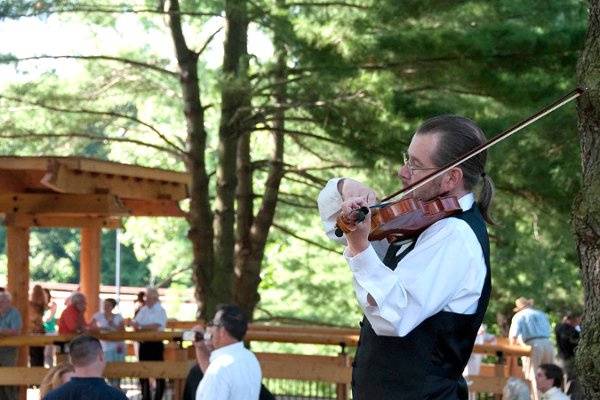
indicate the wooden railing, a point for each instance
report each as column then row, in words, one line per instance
column 333, row 369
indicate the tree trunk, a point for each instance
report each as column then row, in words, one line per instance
column 200, row 215
column 253, row 232
column 235, row 108
column 586, row 211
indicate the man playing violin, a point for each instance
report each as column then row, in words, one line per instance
column 423, row 297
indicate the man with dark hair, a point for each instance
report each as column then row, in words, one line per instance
column 231, row 372
column 549, row 378
column 567, row 337
column 423, row 296
column 87, row 383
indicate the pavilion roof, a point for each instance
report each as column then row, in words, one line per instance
column 67, row 191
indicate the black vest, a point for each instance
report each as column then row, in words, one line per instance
column 429, row 361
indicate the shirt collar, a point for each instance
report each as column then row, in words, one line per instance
column 548, row 393
column 229, row 349
column 466, row 202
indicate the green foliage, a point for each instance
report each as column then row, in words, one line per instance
column 360, row 80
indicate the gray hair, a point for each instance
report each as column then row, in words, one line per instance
column 77, row 297
column 152, row 291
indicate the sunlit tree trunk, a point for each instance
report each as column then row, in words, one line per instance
column 200, row 215
column 235, row 108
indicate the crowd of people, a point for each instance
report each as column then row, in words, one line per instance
column 224, row 362
column 545, row 365
column 222, row 359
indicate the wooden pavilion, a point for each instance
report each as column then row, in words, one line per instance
column 76, row 192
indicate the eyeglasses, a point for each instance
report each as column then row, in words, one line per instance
column 213, row 324
column 411, row 168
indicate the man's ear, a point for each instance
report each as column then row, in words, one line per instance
column 452, row 179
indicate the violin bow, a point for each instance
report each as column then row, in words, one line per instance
column 572, row 95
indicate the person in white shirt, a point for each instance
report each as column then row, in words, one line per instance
column 549, row 378
column 231, row 372
column 107, row 321
column 151, row 317
column 423, row 297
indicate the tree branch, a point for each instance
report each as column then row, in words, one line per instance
column 325, row 4
column 311, row 242
column 207, row 42
column 87, row 58
column 37, row 135
column 106, row 113
column 409, row 63
column 106, row 10
column 300, row 133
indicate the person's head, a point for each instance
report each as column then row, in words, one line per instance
column 48, row 295
column 85, row 353
column 572, row 318
column 228, row 326
column 109, row 305
column 78, row 301
column 548, row 376
column 37, row 295
column 141, row 296
column 151, row 296
column 5, row 301
column 439, row 141
column 56, row 376
column 522, row 303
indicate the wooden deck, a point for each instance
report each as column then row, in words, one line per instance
column 333, row 369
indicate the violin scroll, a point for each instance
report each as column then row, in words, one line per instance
column 341, row 224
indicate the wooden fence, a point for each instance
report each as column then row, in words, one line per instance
column 333, row 369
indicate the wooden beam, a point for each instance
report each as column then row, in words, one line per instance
column 17, row 252
column 95, row 166
column 63, row 179
column 63, row 204
column 57, row 221
column 89, row 277
column 486, row 384
column 336, row 369
column 148, row 208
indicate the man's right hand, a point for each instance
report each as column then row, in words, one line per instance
column 350, row 188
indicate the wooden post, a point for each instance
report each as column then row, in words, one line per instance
column 89, row 274
column 17, row 251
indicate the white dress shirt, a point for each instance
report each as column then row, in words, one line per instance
column 554, row 393
column 105, row 325
column 445, row 271
column 152, row 315
column 233, row 373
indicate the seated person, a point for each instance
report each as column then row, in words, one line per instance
column 549, row 379
column 87, row 382
column 56, row 376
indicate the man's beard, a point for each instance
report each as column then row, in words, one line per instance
column 430, row 191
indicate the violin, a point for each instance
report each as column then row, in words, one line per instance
column 408, row 217
column 404, row 218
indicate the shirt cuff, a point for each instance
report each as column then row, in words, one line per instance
column 371, row 274
column 329, row 203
